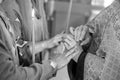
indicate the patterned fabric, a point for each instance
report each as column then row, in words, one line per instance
column 105, row 65
column 93, row 67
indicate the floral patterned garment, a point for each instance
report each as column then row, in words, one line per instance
column 103, row 60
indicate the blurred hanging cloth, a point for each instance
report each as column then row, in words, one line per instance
column 41, row 31
column 26, row 18
column 10, row 68
column 21, row 10
column 102, row 60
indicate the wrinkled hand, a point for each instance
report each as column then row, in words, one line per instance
column 82, row 37
column 81, row 34
column 54, row 41
column 66, row 44
column 63, row 59
column 68, row 41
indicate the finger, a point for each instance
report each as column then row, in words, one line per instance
column 63, row 47
column 72, row 55
column 70, row 44
column 58, row 37
column 69, row 39
column 70, row 52
column 91, row 30
column 67, row 46
column 79, row 29
column 72, row 30
column 83, row 32
column 78, row 34
column 85, row 41
column 85, row 28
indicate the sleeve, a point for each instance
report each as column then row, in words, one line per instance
column 99, row 23
column 98, row 26
column 10, row 71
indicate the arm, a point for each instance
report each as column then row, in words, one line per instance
column 9, row 71
column 47, row 44
column 8, row 68
column 40, row 46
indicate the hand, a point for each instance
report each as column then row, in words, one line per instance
column 82, row 36
column 81, row 33
column 68, row 41
column 66, row 44
column 59, row 49
column 64, row 58
column 54, row 41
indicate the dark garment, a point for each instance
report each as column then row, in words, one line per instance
column 76, row 70
column 9, row 61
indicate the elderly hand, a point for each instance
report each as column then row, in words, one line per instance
column 66, row 44
column 82, row 37
column 69, row 41
column 54, row 41
column 61, row 42
column 81, row 34
column 63, row 59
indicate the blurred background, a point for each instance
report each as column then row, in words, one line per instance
column 81, row 12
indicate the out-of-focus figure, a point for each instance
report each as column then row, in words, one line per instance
column 16, row 44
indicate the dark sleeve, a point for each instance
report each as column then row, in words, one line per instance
column 10, row 71
column 25, row 56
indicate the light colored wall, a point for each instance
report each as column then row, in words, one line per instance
column 60, row 21
column 0, row 1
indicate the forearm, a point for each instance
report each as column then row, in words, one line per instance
column 40, row 71
column 39, row 46
column 34, row 72
column 9, row 70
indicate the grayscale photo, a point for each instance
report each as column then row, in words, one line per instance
column 59, row 39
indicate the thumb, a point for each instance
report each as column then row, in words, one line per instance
column 62, row 32
column 72, row 30
column 85, row 41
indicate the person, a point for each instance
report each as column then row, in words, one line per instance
column 10, row 69
column 100, row 55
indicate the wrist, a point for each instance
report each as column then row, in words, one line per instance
column 44, row 45
column 48, row 44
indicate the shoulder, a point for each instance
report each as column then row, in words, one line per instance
column 5, row 38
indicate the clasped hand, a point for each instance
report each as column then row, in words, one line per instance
column 67, row 50
column 69, row 45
